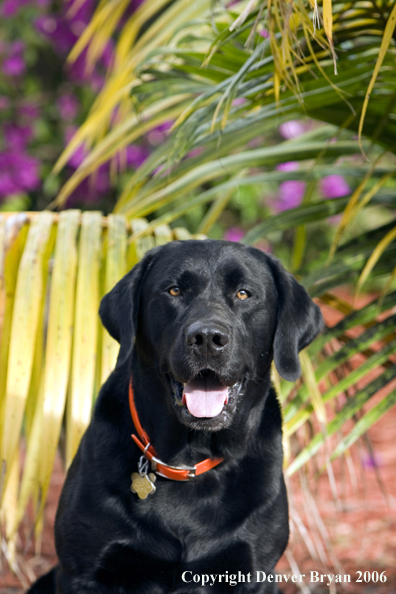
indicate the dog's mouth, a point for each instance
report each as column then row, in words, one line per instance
column 205, row 395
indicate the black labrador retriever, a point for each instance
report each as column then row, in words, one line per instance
column 195, row 501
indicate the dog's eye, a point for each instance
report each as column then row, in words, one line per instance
column 175, row 291
column 242, row 294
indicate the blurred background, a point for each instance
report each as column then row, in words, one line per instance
column 126, row 124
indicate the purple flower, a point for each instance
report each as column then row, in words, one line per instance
column 238, row 101
column 29, row 110
column 18, row 173
column 234, row 234
column 264, row 246
column 78, row 74
column 130, row 9
column 157, row 135
column 84, row 12
column 77, row 69
column 92, row 189
column 27, row 175
column 195, row 152
column 10, row 8
column 136, row 155
column 289, row 166
column 67, row 105
column 108, row 54
column 14, row 66
column 334, row 186
column 13, row 63
column 64, row 30
column 165, row 126
column 264, row 33
column 293, row 128
column 78, row 156
column 290, row 195
column 57, row 31
column 17, row 137
column 17, row 47
column 97, row 81
column 80, row 153
column 7, row 185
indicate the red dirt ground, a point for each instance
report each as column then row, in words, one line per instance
column 355, row 533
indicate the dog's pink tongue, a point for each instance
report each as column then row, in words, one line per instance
column 204, row 400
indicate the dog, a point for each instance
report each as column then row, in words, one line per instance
column 177, row 485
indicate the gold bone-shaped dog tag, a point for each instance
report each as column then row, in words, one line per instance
column 143, row 485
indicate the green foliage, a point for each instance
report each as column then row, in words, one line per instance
column 230, row 85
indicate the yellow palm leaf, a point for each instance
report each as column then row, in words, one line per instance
column 375, row 256
column 308, row 374
column 115, row 269
column 387, row 37
column 59, row 342
column 9, row 509
column 328, row 27
column 25, row 319
column 81, row 391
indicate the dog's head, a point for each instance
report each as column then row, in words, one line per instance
column 209, row 316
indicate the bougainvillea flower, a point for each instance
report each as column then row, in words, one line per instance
column 10, row 8
column 108, row 54
column 67, row 105
column 91, row 189
column 136, row 155
column 17, row 47
column 334, row 186
column 78, row 157
column 29, row 110
column 158, row 134
column 80, row 153
column 289, row 166
column 14, row 65
column 13, row 62
column 290, row 195
column 57, row 31
column 18, row 173
column 17, row 137
column 7, row 185
column 293, row 128
column 234, row 234
column 84, row 12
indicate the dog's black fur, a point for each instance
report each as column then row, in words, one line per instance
column 235, row 516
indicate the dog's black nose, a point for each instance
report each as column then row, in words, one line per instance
column 207, row 338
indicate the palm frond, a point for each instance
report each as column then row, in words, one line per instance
column 55, row 270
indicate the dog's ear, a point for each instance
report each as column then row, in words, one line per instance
column 119, row 308
column 299, row 321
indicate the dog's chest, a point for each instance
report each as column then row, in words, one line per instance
column 190, row 518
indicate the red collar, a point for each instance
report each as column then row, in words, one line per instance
column 176, row 473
